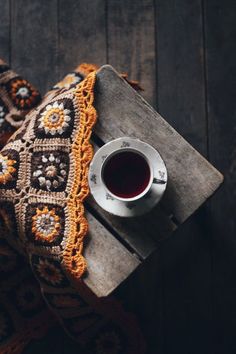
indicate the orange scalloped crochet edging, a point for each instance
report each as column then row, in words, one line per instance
column 86, row 68
column 82, row 153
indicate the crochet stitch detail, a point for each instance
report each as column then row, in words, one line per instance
column 82, row 153
column 43, row 176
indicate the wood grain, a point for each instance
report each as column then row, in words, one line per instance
column 82, row 33
column 220, row 34
column 186, row 258
column 131, row 42
column 180, row 56
column 5, row 25
column 34, row 41
column 108, row 262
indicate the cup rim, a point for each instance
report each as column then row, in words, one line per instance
column 145, row 191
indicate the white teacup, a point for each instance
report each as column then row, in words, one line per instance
column 127, row 177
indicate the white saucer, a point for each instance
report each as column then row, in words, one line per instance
column 108, row 201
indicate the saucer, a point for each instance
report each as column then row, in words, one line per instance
column 127, row 208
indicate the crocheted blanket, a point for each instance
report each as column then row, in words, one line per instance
column 44, row 164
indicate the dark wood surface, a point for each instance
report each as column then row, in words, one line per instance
column 183, row 52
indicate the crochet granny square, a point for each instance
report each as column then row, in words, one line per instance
column 43, row 182
column 17, row 97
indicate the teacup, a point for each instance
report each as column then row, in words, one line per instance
column 127, row 177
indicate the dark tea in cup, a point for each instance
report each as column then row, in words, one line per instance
column 126, row 174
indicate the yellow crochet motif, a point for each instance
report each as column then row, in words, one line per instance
column 50, row 221
column 82, row 152
column 6, row 169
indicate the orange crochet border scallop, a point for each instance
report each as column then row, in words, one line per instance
column 82, row 152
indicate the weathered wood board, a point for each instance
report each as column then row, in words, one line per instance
column 122, row 111
column 108, row 261
column 191, row 181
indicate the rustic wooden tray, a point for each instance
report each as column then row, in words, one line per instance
column 115, row 246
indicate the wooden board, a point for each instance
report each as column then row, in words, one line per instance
column 191, row 178
column 123, row 112
column 108, row 262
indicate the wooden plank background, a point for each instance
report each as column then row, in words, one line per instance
column 183, row 53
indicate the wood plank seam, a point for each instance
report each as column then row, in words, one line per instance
column 107, row 226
